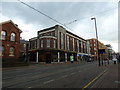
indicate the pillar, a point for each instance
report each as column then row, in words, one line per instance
column 58, row 56
column 36, row 57
column 65, row 57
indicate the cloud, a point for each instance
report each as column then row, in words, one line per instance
column 31, row 21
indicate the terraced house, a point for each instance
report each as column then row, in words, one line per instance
column 56, row 44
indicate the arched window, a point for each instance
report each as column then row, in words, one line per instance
column 11, row 51
column 3, row 35
column 12, row 37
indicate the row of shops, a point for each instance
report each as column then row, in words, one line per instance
column 49, row 56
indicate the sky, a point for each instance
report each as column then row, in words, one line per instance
column 76, row 16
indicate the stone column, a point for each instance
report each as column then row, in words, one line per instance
column 58, row 56
column 37, row 57
column 65, row 57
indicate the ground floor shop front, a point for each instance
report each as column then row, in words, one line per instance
column 49, row 56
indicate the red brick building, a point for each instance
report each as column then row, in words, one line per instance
column 56, row 44
column 94, row 48
column 10, row 40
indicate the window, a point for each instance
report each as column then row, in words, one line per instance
column 62, row 41
column 3, row 35
column 48, row 43
column 54, row 43
column 41, row 43
column 78, row 45
column 95, row 53
column 95, row 49
column 51, row 33
column 11, row 51
column 12, row 37
column 35, row 46
column 94, row 44
column 68, row 42
column 90, row 44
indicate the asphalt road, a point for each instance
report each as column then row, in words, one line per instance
column 76, row 75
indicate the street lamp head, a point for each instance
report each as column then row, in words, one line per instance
column 92, row 18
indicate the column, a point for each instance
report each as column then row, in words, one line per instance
column 36, row 57
column 58, row 56
column 65, row 57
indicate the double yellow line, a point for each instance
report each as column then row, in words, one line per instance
column 94, row 80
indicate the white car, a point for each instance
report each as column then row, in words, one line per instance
column 114, row 59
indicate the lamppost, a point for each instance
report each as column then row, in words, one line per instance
column 97, row 41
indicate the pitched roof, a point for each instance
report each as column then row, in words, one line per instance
column 15, row 25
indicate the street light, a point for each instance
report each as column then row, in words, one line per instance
column 97, row 40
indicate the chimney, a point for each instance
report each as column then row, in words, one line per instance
column 16, row 25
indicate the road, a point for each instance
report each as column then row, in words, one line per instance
column 76, row 75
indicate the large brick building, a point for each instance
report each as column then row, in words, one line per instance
column 56, row 44
column 10, row 40
column 94, row 48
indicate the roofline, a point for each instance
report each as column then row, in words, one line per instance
column 47, row 29
column 65, row 30
column 75, row 35
column 12, row 23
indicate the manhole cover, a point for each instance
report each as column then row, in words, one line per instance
column 117, row 82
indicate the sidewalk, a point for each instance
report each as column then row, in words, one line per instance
column 109, row 79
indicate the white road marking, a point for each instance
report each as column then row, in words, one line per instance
column 48, row 81
column 79, row 71
column 64, row 76
column 72, row 73
column 29, row 87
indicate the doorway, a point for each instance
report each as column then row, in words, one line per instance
column 48, row 58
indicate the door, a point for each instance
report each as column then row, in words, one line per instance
column 48, row 58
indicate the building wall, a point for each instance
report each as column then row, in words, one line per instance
column 94, row 51
column 66, row 43
column 9, row 27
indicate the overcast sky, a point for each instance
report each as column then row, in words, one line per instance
column 30, row 21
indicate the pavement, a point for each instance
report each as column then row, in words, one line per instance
column 110, row 78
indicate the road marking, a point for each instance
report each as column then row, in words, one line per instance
column 118, row 82
column 79, row 71
column 94, row 79
column 64, row 76
column 29, row 87
column 48, row 81
column 72, row 73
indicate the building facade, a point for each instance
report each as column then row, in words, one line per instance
column 110, row 51
column 94, row 49
column 10, row 40
column 56, row 44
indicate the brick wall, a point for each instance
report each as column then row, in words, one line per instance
column 9, row 27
